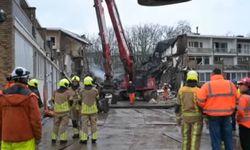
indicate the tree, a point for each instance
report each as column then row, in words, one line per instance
column 142, row 40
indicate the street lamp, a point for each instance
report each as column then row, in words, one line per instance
column 3, row 16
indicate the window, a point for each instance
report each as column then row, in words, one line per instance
column 195, row 44
column 208, row 76
column 220, row 47
column 202, row 77
column 53, row 40
column 206, row 60
column 243, row 60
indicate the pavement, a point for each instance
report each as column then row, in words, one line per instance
column 128, row 129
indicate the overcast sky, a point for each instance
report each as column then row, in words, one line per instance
column 214, row 17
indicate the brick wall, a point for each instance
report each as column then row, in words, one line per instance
column 6, row 42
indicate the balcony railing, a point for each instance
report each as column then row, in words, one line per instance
column 243, row 51
column 20, row 15
column 200, row 50
column 225, row 51
column 224, row 66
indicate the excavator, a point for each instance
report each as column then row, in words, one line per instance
column 145, row 83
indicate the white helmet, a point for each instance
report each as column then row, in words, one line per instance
column 20, row 72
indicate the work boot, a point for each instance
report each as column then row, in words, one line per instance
column 63, row 141
column 75, row 136
column 53, row 141
column 83, row 142
column 93, row 141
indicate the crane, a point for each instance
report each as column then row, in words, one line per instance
column 124, row 52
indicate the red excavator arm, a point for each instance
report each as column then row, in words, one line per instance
column 104, row 38
column 125, row 53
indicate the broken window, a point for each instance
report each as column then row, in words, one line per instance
column 53, row 40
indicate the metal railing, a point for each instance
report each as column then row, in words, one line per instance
column 225, row 51
column 200, row 50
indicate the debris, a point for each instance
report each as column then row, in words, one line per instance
column 153, row 101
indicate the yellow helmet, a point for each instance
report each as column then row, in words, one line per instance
column 87, row 80
column 192, row 75
column 33, row 83
column 63, row 83
column 75, row 78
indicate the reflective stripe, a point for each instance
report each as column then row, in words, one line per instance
column 241, row 108
column 210, row 94
column 83, row 136
column 245, row 119
column 61, row 107
column 94, row 136
column 89, row 109
column 64, row 136
column 218, row 110
column 53, row 136
column 25, row 145
column 201, row 100
column 246, row 110
column 191, row 114
column 75, row 131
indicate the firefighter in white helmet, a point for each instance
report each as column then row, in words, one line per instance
column 89, row 96
column 20, row 123
column 189, row 116
column 61, row 108
column 75, row 98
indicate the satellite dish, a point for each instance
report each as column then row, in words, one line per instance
column 3, row 16
column 159, row 2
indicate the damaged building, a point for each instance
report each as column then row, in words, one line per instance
column 202, row 53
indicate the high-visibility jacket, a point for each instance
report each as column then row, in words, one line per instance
column 243, row 110
column 89, row 96
column 217, row 97
column 61, row 99
column 20, row 118
column 187, row 99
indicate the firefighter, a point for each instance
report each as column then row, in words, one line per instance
column 89, row 96
column 75, row 98
column 189, row 116
column 165, row 91
column 217, row 98
column 33, row 86
column 61, row 108
column 20, row 125
column 243, row 115
column 131, row 92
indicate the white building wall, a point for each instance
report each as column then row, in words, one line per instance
column 23, row 52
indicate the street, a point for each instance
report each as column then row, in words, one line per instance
column 128, row 129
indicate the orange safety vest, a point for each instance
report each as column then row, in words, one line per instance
column 243, row 113
column 217, row 97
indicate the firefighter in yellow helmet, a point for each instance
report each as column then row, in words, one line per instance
column 75, row 98
column 61, row 108
column 189, row 116
column 89, row 96
column 33, row 86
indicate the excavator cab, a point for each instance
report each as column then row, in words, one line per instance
column 159, row 2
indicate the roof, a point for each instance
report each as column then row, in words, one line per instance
column 163, row 45
column 71, row 34
column 219, row 36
